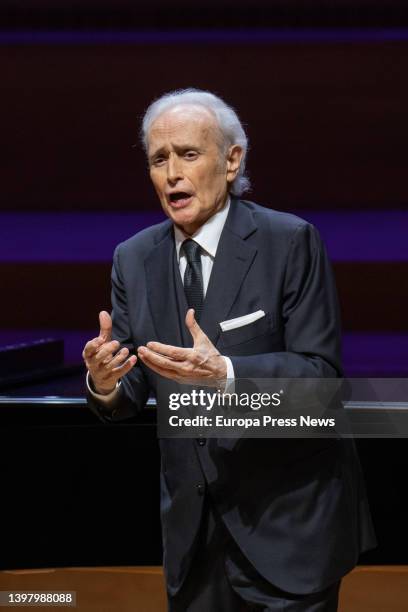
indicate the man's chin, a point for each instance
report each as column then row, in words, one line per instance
column 186, row 221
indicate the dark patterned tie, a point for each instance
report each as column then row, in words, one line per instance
column 193, row 277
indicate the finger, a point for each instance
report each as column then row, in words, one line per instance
column 118, row 359
column 173, row 352
column 181, row 369
column 193, row 379
column 91, row 347
column 192, row 325
column 165, row 373
column 105, row 324
column 123, row 369
column 105, row 353
column 149, row 357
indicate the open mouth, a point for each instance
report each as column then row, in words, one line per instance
column 180, row 198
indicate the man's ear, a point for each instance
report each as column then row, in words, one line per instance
column 234, row 157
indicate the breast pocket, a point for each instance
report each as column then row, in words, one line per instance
column 248, row 332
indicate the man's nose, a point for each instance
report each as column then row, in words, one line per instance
column 174, row 169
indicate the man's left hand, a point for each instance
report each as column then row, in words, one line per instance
column 201, row 364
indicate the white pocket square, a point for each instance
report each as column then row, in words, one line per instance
column 241, row 321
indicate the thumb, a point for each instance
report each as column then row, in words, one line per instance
column 192, row 325
column 105, row 323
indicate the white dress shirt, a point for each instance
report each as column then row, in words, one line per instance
column 208, row 237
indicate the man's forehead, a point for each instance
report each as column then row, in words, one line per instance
column 182, row 122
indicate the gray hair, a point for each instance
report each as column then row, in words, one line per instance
column 230, row 126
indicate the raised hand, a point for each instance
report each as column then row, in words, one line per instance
column 203, row 363
column 105, row 362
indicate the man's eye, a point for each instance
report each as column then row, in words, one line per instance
column 191, row 155
column 158, row 161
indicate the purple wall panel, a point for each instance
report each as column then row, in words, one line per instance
column 68, row 237
column 91, row 237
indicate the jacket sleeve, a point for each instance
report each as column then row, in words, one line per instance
column 309, row 315
column 133, row 392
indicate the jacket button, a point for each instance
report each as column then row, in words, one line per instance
column 200, row 489
column 201, row 441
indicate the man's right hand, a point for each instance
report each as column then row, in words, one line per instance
column 105, row 362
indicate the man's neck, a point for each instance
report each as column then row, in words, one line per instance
column 208, row 234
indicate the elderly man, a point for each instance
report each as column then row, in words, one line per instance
column 250, row 524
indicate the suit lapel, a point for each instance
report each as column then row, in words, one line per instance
column 161, row 287
column 233, row 260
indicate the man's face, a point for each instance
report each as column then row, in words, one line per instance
column 187, row 168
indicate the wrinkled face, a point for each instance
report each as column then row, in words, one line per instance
column 187, row 167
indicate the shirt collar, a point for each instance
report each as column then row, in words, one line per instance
column 208, row 235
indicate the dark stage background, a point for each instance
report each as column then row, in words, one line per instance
column 323, row 91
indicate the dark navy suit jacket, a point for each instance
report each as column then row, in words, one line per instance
column 296, row 507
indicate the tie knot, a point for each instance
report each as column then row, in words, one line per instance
column 192, row 250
